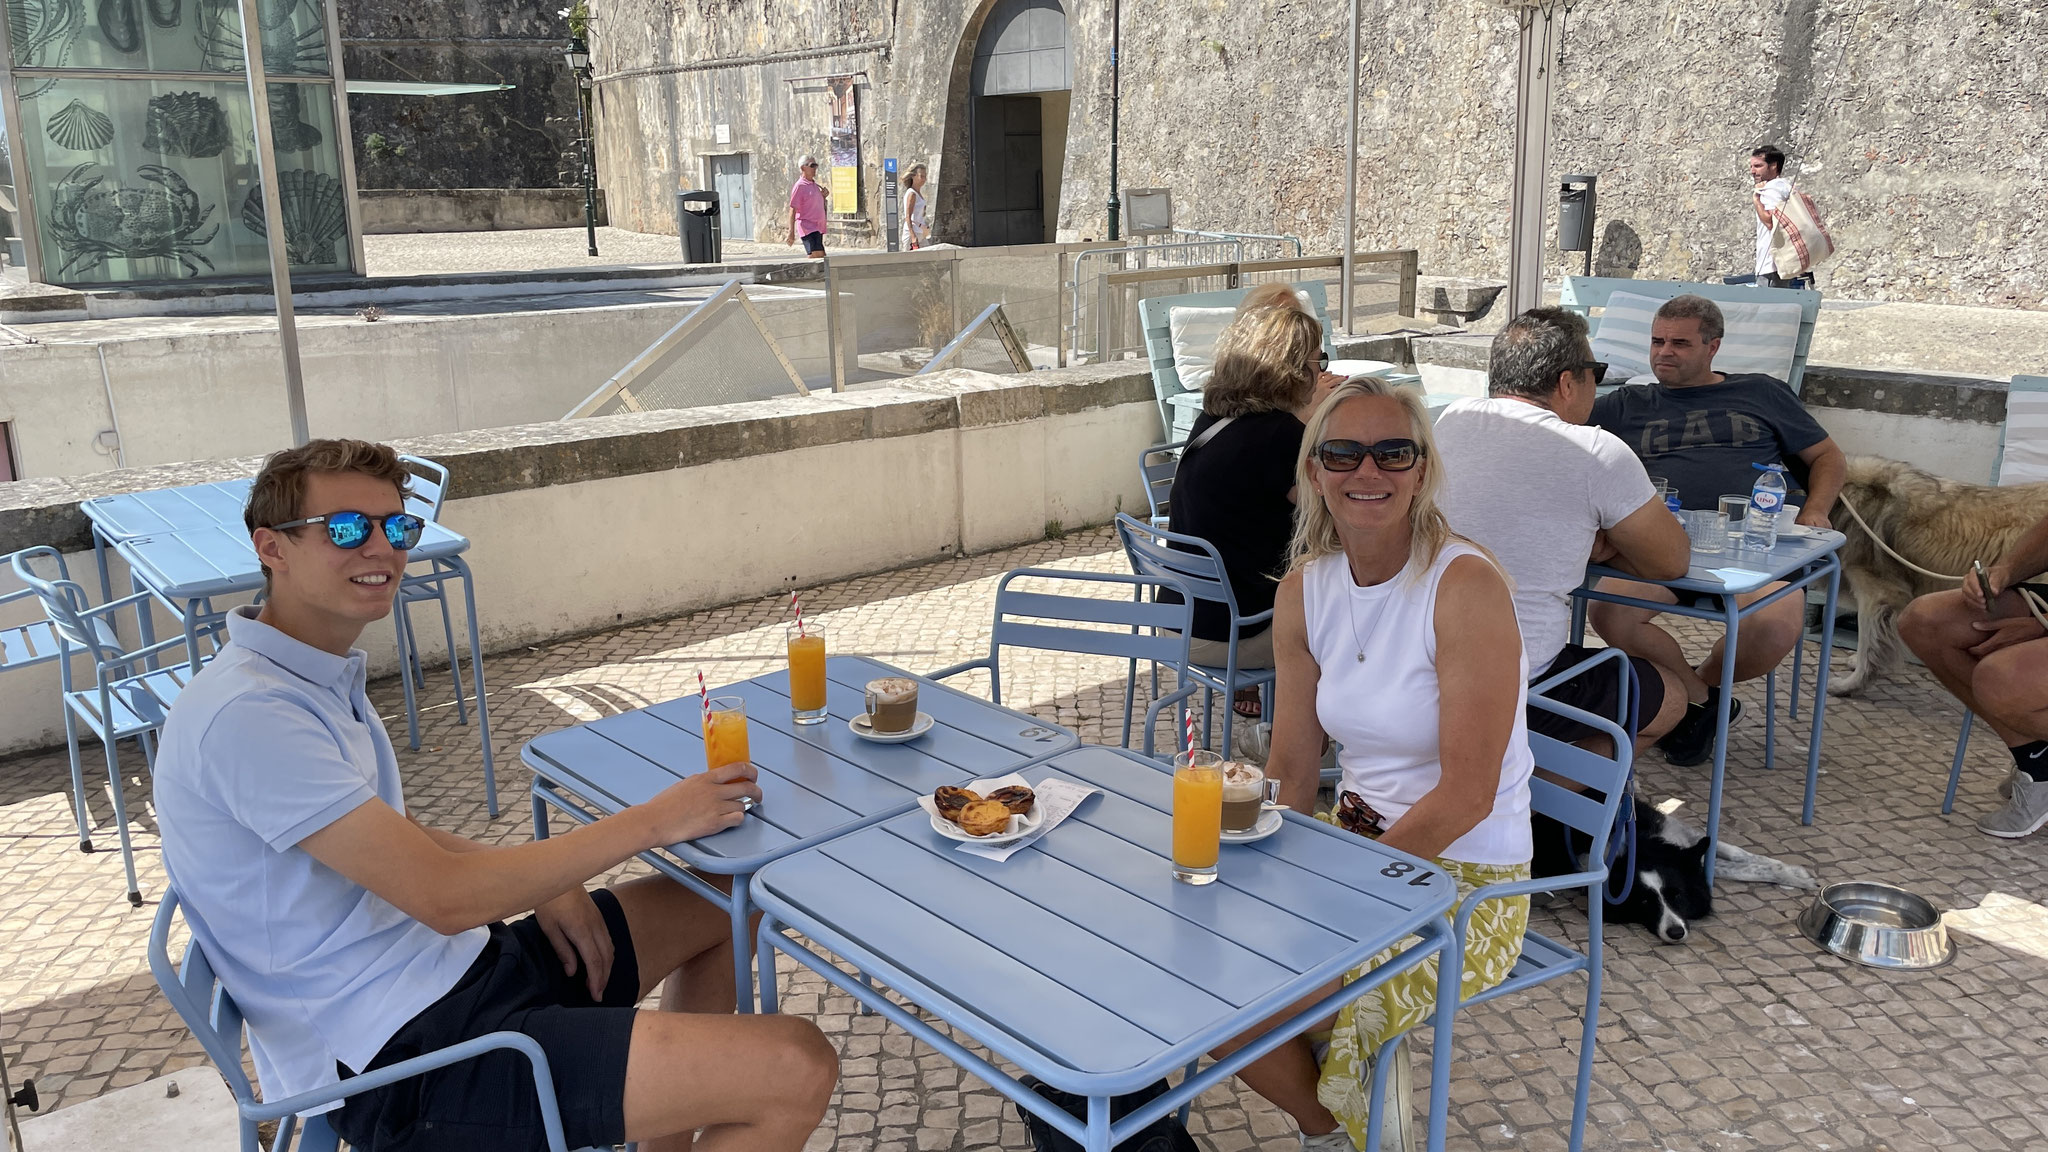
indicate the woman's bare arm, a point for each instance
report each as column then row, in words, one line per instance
column 1478, row 676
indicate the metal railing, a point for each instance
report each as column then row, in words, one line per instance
column 1388, row 277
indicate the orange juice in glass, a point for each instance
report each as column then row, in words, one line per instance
column 807, row 673
column 725, row 732
column 1197, row 815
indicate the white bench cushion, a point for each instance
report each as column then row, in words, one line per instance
column 1194, row 332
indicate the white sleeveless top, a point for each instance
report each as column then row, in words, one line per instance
column 1383, row 708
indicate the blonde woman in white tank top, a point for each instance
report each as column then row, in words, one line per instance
column 1397, row 639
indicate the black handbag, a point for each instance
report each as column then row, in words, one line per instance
column 1166, row 1134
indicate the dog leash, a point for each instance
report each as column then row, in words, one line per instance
column 2034, row 603
column 1623, row 838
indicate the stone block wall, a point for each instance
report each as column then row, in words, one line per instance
column 1917, row 127
column 524, row 137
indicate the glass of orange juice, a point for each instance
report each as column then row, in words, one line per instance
column 725, row 732
column 807, row 673
column 1197, row 815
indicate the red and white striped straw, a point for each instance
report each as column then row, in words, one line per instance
column 704, row 694
column 799, row 606
column 1189, row 713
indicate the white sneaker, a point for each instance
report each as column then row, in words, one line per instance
column 1397, row 1130
column 1337, row 1141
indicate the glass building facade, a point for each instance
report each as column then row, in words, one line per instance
column 130, row 148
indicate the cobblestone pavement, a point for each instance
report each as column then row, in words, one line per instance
column 1744, row 1038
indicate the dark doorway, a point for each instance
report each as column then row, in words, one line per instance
column 1009, row 170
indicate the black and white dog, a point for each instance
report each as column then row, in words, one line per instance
column 1670, row 890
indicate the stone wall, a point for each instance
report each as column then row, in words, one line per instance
column 390, row 210
column 521, row 138
column 1917, row 127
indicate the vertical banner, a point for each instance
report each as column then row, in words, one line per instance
column 845, row 145
column 890, row 204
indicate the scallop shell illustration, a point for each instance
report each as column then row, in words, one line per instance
column 185, row 124
column 80, row 127
column 315, row 214
column 165, row 13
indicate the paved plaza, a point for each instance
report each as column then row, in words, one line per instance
column 1744, row 1038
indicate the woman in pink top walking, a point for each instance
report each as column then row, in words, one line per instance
column 807, row 209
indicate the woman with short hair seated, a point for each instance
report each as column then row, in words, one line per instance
column 1397, row 639
column 1234, row 486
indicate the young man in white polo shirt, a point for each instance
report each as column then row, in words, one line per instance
column 1525, row 477
column 354, row 936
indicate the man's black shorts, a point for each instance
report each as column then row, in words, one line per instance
column 814, row 243
column 1596, row 690
column 487, row 1104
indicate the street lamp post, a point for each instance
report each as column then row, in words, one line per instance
column 578, row 57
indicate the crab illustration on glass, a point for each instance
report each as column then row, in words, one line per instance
column 93, row 222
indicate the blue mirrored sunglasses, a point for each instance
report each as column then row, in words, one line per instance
column 352, row 529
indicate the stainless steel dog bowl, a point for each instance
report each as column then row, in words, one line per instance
column 1878, row 925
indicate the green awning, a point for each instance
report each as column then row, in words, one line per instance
column 418, row 88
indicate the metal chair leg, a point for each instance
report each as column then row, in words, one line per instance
column 121, row 817
column 405, row 677
column 454, row 660
column 77, row 780
column 1955, row 768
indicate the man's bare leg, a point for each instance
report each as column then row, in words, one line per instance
column 1761, row 640
column 684, row 945
column 1937, row 628
column 1630, row 629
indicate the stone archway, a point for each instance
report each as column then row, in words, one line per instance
column 1004, row 146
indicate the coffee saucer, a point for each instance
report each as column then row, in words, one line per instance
column 862, row 729
column 1268, row 823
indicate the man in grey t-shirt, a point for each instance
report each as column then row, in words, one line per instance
column 1527, row 478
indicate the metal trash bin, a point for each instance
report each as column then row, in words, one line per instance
column 1575, row 210
column 697, row 221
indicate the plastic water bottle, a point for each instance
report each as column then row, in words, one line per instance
column 1766, row 500
column 1675, row 506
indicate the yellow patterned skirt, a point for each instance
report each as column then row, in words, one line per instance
column 1492, row 947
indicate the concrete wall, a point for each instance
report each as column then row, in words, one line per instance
column 390, row 210
column 1915, row 125
column 214, row 392
column 580, row 526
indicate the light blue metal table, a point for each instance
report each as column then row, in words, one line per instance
column 817, row 780
column 193, row 565
column 1081, row 961
column 1801, row 560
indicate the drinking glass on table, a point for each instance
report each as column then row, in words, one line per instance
column 1197, row 815
column 1708, row 529
column 725, row 733
column 1734, row 507
column 806, row 645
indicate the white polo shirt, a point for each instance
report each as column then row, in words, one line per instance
column 271, row 742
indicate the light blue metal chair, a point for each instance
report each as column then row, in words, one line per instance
column 126, row 700
column 1157, row 466
column 1132, row 629
column 205, row 1006
column 29, row 643
column 1197, row 566
column 428, row 490
column 1544, row 959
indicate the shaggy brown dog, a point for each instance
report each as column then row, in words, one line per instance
column 1937, row 523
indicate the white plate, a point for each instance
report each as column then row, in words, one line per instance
column 1020, row 826
column 918, row 727
column 1798, row 531
column 1268, row 823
